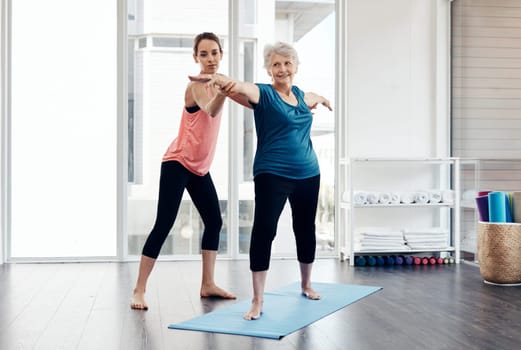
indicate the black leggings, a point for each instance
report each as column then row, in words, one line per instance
column 271, row 193
column 172, row 183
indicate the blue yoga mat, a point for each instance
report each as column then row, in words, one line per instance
column 499, row 207
column 285, row 311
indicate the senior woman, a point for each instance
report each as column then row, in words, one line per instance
column 285, row 165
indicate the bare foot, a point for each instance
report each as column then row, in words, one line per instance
column 138, row 301
column 255, row 311
column 310, row 294
column 214, row 291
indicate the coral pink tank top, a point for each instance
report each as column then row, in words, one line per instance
column 195, row 144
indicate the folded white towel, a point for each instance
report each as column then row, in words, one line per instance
column 381, row 234
column 382, row 248
column 427, row 246
column 426, row 239
column 424, row 230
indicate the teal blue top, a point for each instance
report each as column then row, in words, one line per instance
column 284, row 145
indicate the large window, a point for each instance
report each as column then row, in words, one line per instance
column 160, row 60
column 63, row 99
column 160, row 50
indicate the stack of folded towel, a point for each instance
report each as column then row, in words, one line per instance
column 378, row 239
column 428, row 238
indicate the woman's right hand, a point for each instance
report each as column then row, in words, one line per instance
column 201, row 78
column 223, row 84
column 243, row 93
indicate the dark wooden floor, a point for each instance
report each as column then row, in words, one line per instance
column 86, row 306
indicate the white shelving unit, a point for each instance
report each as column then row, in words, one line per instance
column 400, row 175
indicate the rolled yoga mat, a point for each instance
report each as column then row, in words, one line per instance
column 499, row 207
column 516, row 206
column 482, row 204
column 508, row 207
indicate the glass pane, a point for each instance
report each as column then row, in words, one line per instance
column 159, row 65
column 312, row 33
column 64, row 129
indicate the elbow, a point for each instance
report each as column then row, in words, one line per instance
column 213, row 112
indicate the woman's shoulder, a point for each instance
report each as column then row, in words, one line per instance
column 295, row 88
column 263, row 86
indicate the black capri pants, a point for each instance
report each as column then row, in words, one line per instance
column 172, row 183
column 271, row 193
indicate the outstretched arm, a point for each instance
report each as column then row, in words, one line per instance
column 213, row 105
column 240, row 91
column 312, row 100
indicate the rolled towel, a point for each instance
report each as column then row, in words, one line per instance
column 395, row 198
column 435, row 196
column 384, row 198
column 421, row 197
column 407, row 198
column 360, row 198
column 372, row 197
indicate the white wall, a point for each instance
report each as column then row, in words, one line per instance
column 394, row 65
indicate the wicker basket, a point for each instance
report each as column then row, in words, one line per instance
column 499, row 252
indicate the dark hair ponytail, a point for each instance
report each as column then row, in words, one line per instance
column 208, row 36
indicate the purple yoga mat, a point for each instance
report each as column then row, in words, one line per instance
column 482, row 204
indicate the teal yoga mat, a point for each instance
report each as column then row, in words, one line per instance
column 285, row 311
column 499, row 207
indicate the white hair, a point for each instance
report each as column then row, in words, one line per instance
column 282, row 49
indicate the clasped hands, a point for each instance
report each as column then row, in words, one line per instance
column 224, row 85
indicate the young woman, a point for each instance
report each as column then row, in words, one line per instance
column 186, row 165
column 285, row 165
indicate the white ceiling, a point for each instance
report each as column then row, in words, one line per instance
column 307, row 14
